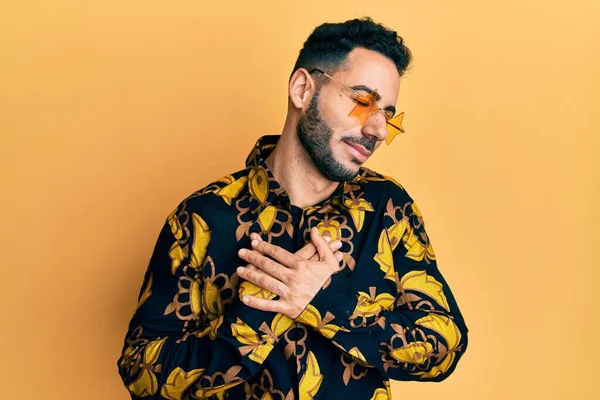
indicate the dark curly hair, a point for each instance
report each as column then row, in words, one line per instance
column 328, row 45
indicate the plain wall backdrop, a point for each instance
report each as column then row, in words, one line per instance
column 111, row 112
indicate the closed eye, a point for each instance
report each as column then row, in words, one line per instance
column 363, row 100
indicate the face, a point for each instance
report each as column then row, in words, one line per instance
column 336, row 142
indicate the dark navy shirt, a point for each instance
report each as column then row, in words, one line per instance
column 387, row 314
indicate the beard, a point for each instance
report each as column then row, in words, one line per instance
column 315, row 136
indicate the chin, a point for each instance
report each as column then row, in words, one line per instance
column 351, row 169
column 355, row 164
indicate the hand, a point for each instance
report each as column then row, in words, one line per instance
column 295, row 279
column 309, row 251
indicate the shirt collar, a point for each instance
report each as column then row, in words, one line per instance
column 265, row 190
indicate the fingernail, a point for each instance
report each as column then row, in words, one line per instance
column 242, row 252
column 240, row 270
column 245, row 299
column 255, row 243
column 327, row 238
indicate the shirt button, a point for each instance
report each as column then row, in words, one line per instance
column 304, row 367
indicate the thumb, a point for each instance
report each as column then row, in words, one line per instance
column 325, row 253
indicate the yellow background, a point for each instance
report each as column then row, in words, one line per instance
column 111, row 112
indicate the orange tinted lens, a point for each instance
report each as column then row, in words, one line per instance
column 394, row 127
column 365, row 106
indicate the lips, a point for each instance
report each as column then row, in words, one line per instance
column 359, row 153
column 359, row 150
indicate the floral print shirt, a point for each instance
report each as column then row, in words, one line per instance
column 387, row 314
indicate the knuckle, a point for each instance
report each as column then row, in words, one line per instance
column 277, row 307
column 276, row 252
column 284, row 274
column 250, row 276
column 262, row 281
column 261, row 246
column 269, row 265
column 249, row 256
column 272, row 287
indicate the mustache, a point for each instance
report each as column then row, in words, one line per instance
column 367, row 142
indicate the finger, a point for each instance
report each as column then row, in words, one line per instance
column 252, row 267
column 255, row 236
column 267, row 265
column 339, row 256
column 309, row 251
column 276, row 306
column 277, row 253
column 322, row 246
column 259, row 278
column 335, row 245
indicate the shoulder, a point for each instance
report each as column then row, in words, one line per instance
column 381, row 188
column 402, row 218
column 389, row 198
column 216, row 195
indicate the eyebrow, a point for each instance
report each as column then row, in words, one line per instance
column 377, row 96
column 392, row 109
column 366, row 89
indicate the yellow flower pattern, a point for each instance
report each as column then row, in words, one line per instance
column 419, row 281
column 178, row 381
column 258, row 183
column 252, row 343
column 370, row 305
column 385, row 257
column 310, row 316
column 146, row 384
column 232, row 190
column 311, row 381
column 146, row 292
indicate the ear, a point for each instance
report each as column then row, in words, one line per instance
column 301, row 88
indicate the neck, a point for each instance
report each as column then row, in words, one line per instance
column 294, row 171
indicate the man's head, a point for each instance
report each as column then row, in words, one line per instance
column 359, row 54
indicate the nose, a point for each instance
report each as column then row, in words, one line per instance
column 375, row 126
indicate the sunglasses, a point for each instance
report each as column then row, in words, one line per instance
column 366, row 105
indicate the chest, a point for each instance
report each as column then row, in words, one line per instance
column 361, row 233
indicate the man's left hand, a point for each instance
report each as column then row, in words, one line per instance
column 294, row 279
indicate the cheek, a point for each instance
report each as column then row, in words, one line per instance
column 334, row 111
column 339, row 149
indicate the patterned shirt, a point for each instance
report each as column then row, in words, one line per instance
column 387, row 314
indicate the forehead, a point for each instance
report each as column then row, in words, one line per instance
column 370, row 68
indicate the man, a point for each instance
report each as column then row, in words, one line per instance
column 340, row 287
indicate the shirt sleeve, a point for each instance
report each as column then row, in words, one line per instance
column 414, row 330
column 182, row 338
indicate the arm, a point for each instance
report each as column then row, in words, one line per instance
column 418, row 334
column 179, row 340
